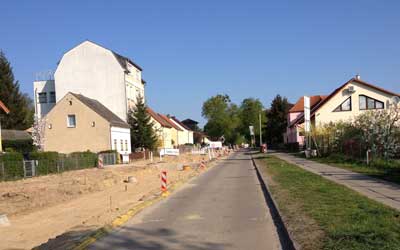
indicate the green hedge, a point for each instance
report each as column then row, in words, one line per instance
column 13, row 166
column 21, row 146
column 85, row 159
column 292, row 147
column 47, row 162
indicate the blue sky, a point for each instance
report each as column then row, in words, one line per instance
column 190, row 50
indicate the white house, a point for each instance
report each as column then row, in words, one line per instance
column 343, row 104
column 95, row 72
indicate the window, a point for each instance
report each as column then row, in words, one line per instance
column 126, row 145
column 122, row 145
column 137, row 75
column 71, row 121
column 115, row 144
column 345, row 106
column 366, row 102
column 52, row 97
column 42, row 97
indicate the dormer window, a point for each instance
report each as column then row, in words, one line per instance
column 367, row 103
column 345, row 106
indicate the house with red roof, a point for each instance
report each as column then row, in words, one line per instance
column 5, row 110
column 168, row 132
column 185, row 135
column 349, row 100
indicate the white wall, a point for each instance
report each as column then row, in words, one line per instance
column 119, row 134
column 325, row 114
column 93, row 71
column 184, row 136
column 47, row 86
column 190, row 137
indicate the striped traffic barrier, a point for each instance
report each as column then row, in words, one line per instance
column 100, row 162
column 164, row 189
column 202, row 165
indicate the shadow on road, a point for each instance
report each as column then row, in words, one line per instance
column 132, row 238
column 154, row 239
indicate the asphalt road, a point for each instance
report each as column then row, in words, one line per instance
column 224, row 208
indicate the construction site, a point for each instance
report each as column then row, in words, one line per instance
column 57, row 211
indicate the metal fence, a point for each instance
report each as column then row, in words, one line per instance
column 109, row 158
column 14, row 170
column 352, row 148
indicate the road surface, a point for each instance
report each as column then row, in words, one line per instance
column 224, row 208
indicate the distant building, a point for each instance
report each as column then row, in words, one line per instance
column 346, row 102
column 44, row 95
column 191, row 124
column 185, row 135
column 95, row 72
column 79, row 123
column 5, row 110
column 162, row 128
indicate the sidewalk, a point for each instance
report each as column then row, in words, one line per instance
column 378, row 190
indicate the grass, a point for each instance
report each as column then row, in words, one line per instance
column 386, row 170
column 323, row 215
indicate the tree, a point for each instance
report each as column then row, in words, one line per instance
column 250, row 109
column 277, row 120
column 20, row 105
column 222, row 116
column 143, row 134
column 38, row 133
column 380, row 129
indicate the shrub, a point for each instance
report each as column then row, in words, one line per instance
column 85, row 159
column 292, row 147
column 21, row 146
column 47, row 162
column 13, row 166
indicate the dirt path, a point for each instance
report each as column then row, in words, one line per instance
column 44, row 207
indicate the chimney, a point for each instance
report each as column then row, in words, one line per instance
column 358, row 77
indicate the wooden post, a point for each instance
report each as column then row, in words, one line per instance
column 3, row 171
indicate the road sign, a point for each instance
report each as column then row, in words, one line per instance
column 251, row 130
column 169, row 151
column 307, row 118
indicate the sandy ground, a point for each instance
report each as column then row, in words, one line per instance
column 44, row 207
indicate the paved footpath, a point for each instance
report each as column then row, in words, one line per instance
column 224, row 208
column 382, row 191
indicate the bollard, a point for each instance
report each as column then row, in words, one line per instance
column 164, row 189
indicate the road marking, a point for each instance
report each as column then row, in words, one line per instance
column 193, row 217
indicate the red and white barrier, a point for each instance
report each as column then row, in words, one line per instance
column 164, row 181
column 100, row 163
column 202, row 165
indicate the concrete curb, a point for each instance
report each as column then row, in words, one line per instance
column 122, row 219
column 285, row 238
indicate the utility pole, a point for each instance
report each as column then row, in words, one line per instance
column 259, row 116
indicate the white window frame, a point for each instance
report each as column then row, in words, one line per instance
column 69, row 125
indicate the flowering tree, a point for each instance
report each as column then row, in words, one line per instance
column 39, row 126
column 380, row 130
